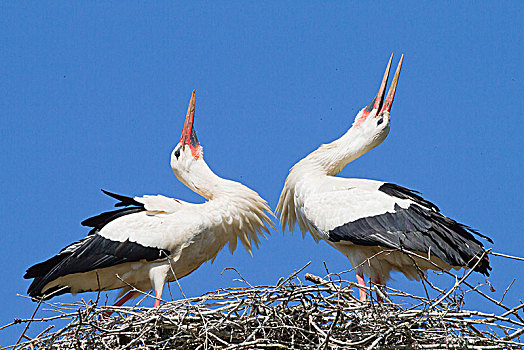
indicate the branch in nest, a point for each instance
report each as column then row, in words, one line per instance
column 289, row 314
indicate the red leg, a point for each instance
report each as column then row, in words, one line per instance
column 120, row 302
column 360, row 280
column 158, row 297
column 125, row 298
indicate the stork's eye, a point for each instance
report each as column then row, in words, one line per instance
column 177, row 153
column 380, row 121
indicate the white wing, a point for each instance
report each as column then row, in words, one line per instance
column 339, row 201
column 373, row 213
column 160, row 204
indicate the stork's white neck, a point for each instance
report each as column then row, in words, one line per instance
column 240, row 211
column 201, row 179
column 329, row 159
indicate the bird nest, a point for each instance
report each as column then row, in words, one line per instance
column 314, row 313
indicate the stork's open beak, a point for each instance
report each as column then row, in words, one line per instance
column 378, row 101
column 391, row 93
column 188, row 132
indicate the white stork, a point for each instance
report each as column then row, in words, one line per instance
column 362, row 218
column 156, row 239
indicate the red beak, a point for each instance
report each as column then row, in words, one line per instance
column 188, row 136
column 378, row 101
column 391, row 93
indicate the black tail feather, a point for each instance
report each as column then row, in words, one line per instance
column 124, row 200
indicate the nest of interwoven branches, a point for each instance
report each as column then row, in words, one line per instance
column 300, row 311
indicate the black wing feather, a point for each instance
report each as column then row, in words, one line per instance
column 44, row 267
column 125, row 201
column 100, row 220
column 94, row 251
column 420, row 227
column 91, row 253
column 405, row 193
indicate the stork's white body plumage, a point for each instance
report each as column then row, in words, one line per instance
column 192, row 233
column 365, row 218
column 323, row 203
column 156, row 239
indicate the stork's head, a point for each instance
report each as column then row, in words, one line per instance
column 373, row 120
column 187, row 157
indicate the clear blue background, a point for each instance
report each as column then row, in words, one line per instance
column 93, row 95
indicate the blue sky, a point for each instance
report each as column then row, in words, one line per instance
column 93, row 95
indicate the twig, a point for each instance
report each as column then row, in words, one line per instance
column 507, row 256
column 504, row 294
column 290, row 314
column 28, row 323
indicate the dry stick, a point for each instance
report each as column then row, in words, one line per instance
column 34, row 313
column 379, row 338
column 410, row 254
column 270, row 316
column 42, row 319
column 419, row 271
column 381, row 294
column 43, row 301
column 238, row 273
column 133, row 289
column 326, row 341
column 507, row 256
column 470, row 286
column 320, row 281
column 512, row 311
column 514, row 335
column 327, row 271
column 461, row 280
column 179, row 286
column 98, row 294
column 503, row 295
column 176, row 279
column 169, row 289
column 315, row 279
column 293, row 275
column 28, row 323
column 494, row 301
